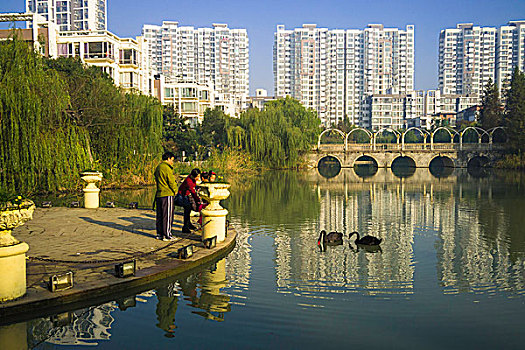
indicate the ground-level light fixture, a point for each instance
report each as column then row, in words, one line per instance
column 74, row 205
column 61, row 282
column 47, row 204
column 133, row 205
column 126, row 269
column 185, row 252
column 110, row 204
column 210, row 242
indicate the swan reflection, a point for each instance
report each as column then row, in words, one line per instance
column 470, row 230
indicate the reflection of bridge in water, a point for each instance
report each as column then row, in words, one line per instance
column 400, row 211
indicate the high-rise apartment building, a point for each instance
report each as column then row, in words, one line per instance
column 510, row 51
column 335, row 71
column 470, row 56
column 467, row 59
column 215, row 56
column 71, row 14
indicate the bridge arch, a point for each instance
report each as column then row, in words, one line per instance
column 442, row 160
column 423, row 133
column 403, row 167
column 367, row 132
column 329, row 166
column 441, row 166
column 491, row 133
column 479, row 131
column 404, row 161
column 478, row 161
column 364, row 157
column 330, row 130
column 329, row 157
column 452, row 133
column 396, row 133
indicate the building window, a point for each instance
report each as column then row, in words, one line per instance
column 128, row 56
column 189, row 107
column 189, row 92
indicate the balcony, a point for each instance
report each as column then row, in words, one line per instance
column 128, row 57
column 100, row 51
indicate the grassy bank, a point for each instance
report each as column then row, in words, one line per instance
column 512, row 161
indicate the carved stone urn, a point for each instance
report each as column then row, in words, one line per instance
column 214, row 216
column 91, row 192
column 12, row 251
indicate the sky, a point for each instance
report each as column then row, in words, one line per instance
column 260, row 18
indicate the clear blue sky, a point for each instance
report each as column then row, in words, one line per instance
column 126, row 17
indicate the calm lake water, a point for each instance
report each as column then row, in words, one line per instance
column 450, row 273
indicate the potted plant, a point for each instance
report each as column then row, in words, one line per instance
column 14, row 212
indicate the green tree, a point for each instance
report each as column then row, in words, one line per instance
column 40, row 149
column 515, row 111
column 276, row 135
column 178, row 136
column 491, row 113
column 122, row 126
column 214, row 128
column 58, row 117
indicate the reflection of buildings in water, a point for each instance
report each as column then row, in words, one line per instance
column 91, row 325
column 368, row 209
column 469, row 262
column 238, row 262
column 82, row 327
column 472, row 256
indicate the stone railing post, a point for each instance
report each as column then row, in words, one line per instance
column 91, row 192
column 214, row 216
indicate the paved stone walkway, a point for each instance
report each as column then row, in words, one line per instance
column 90, row 242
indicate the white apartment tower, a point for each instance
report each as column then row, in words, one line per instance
column 510, row 51
column 335, row 71
column 215, row 56
column 71, row 14
column 467, row 59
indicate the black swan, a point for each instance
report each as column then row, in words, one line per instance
column 366, row 240
column 329, row 239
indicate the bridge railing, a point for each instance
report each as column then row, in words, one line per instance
column 353, row 147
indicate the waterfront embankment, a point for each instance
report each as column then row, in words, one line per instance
column 89, row 242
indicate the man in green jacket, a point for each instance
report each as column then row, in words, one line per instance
column 166, row 190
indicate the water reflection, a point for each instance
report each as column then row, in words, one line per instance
column 441, row 235
column 466, row 218
column 439, row 170
column 203, row 291
column 167, row 303
column 83, row 327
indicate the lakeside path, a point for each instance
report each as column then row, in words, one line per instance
column 90, row 242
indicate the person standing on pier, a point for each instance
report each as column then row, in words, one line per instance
column 193, row 202
column 166, row 189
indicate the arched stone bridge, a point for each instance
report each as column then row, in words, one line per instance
column 455, row 153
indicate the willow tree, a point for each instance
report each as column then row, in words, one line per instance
column 124, row 128
column 40, row 149
column 276, row 135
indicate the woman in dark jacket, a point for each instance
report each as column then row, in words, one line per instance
column 187, row 189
